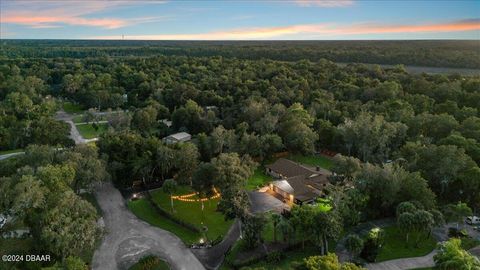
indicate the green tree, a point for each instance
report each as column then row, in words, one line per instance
column 451, row 256
column 69, row 227
column 354, row 244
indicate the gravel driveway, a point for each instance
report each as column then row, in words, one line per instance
column 127, row 239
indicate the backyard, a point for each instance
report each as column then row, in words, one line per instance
column 89, row 132
column 258, row 179
column 312, row 160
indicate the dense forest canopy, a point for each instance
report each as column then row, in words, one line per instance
column 458, row 54
column 401, row 137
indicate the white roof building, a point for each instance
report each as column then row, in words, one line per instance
column 177, row 137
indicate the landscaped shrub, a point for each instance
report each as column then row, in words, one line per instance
column 372, row 244
column 275, row 257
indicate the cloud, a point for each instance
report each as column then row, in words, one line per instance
column 53, row 14
column 324, row 3
column 312, row 31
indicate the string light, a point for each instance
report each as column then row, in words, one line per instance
column 187, row 197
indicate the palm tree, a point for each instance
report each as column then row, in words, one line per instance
column 276, row 219
column 170, row 186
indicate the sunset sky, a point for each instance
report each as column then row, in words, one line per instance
column 240, row 20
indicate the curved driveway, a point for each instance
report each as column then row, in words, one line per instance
column 127, row 239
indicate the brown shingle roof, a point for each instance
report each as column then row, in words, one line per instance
column 288, row 168
column 301, row 181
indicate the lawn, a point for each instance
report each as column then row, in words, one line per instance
column 150, row 262
column 395, row 246
column 258, row 179
column 16, row 246
column 88, row 132
column 143, row 210
column 284, row 264
column 72, row 108
column 192, row 213
column 316, row 160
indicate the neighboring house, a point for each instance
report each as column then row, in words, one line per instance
column 297, row 183
column 177, row 137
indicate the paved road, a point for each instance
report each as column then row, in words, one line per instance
column 5, row 156
column 213, row 257
column 128, row 239
column 405, row 263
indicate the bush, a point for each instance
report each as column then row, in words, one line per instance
column 456, row 233
column 275, row 257
column 149, row 262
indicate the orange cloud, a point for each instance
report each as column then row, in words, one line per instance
column 52, row 21
column 313, row 31
column 324, row 3
column 52, row 14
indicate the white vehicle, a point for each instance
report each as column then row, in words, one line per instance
column 473, row 220
column 3, row 221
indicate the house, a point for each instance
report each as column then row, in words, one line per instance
column 177, row 137
column 295, row 182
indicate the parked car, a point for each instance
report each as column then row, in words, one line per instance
column 3, row 221
column 473, row 220
column 476, row 228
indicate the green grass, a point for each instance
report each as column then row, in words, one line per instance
column 258, row 179
column 143, row 210
column 157, row 264
column 284, row 264
column 72, row 108
column 469, row 243
column 395, row 246
column 321, row 161
column 4, row 152
column 192, row 213
column 88, row 132
column 16, row 246
column 423, row 268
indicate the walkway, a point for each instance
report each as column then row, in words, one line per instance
column 128, row 239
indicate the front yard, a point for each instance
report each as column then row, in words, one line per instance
column 395, row 246
column 191, row 212
column 143, row 210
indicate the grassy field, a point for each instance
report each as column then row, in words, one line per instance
column 88, row 132
column 321, row 161
column 258, row 179
column 151, row 263
column 72, row 108
column 192, row 213
column 395, row 246
column 143, row 210
column 4, row 152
